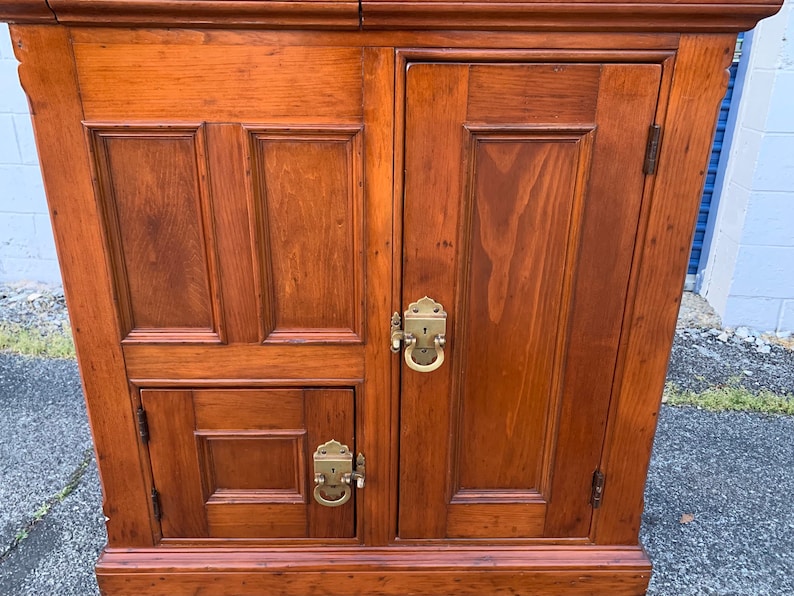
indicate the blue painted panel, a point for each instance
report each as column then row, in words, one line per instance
column 711, row 175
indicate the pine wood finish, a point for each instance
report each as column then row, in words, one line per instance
column 508, row 217
column 241, row 204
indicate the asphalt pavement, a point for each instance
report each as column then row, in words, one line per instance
column 719, row 514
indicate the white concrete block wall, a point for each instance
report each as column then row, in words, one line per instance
column 27, row 250
column 749, row 275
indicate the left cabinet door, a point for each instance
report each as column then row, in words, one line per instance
column 238, row 463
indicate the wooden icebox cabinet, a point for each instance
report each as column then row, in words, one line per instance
column 377, row 297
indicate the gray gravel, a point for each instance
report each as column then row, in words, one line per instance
column 734, row 472
column 44, row 434
column 700, row 360
column 59, row 555
column 33, row 306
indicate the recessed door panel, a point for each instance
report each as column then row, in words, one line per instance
column 152, row 188
column 504, row 220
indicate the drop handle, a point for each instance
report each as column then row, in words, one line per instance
column 423, row 331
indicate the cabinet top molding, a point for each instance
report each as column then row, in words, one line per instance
column 694, row 16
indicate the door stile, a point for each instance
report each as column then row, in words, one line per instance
column 375, row 405
column 627, row 101
column 427, row 262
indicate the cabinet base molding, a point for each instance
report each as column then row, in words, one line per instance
column 431, row 571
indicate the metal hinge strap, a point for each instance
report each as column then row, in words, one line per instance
column 143, row 425
column 598, row 489
column 156, row 504
column 652, row 149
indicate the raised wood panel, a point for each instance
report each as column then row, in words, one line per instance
column 543, row 90
column 262, row 466
column 152, row 187
column 309, row 204
column 313, row 85
column 526, row 187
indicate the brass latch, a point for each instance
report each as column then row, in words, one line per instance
column 424, row 334
column 334, row 476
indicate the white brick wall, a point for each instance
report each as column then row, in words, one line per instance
column 749, row 275
column 27, row 250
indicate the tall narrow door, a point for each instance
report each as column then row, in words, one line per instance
column 523, row 186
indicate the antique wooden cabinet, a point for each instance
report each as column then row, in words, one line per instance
column 256, row 203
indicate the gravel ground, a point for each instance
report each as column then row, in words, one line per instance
column 33, row 306
column 719, row 518
column 44, row 435
column 732, row 473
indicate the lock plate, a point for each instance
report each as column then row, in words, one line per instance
column 425, row 320
column 333, row 468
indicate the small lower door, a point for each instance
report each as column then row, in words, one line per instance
column 523, row 185
column 238, row 463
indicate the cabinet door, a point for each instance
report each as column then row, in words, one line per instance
column 523, row 185
column 238, row 463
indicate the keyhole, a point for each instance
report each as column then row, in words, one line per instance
column 425, row 330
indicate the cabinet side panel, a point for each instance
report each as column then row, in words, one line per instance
column 49, row 78
column 658, row 270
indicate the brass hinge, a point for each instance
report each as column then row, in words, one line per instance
column 143, row 425
column 598, row 489
column 652, row 149
column 156, row 504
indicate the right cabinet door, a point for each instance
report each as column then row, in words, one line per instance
column 523, row 188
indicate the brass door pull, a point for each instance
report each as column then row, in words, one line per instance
column 424, row 334
column 334, row 475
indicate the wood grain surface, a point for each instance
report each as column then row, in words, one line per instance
column 658, row 278
column 246, row 472
column 242, row 194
